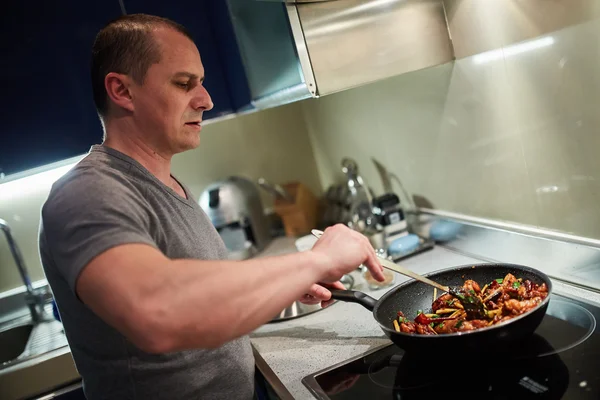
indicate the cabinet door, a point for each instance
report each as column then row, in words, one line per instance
column 193, row 14
column 48, row 110
column 226, row 43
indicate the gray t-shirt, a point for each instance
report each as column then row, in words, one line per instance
column 109, row 199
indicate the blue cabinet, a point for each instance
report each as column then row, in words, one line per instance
column 48, row 109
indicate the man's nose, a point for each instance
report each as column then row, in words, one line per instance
column 202, row 100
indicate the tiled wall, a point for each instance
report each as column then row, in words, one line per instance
column 272, row 144
column 514, row 138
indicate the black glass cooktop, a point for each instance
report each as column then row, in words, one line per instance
column 560, row 361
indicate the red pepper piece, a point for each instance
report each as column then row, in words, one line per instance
column 422, row 319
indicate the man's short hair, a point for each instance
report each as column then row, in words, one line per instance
column 126, row 46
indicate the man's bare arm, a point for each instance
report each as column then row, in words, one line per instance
column 165, row 305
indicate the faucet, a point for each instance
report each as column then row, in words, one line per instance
column 36, row 299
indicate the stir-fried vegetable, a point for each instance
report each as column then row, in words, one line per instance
column 503, row 299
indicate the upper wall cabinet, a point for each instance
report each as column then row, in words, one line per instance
column 49, row 113
column 48, row 110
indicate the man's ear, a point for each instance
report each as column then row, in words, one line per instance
column 117, row 87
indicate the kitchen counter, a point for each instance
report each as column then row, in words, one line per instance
column 287, row 351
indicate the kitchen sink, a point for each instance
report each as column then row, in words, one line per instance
column 13, row 342
column 34, row 356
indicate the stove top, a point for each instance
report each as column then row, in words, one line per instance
column 560, row 361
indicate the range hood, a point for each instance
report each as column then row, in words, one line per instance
column 353, row 42
column 293, row 49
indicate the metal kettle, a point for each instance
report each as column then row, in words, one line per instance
column 359, row 200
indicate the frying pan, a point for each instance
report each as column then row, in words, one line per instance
column 412, row 296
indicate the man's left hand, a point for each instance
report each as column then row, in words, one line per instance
column 319, row 293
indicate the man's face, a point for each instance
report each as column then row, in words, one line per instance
column 170, row 102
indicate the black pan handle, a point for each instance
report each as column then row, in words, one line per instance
column 354, row 296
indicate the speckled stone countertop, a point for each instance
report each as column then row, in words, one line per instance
column 296, row 348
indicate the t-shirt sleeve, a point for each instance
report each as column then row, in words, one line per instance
column 88, row 214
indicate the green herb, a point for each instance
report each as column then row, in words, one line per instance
column 434, row 316
column 472, row 291
column 449, row 302
column 419, row 312
column 440, row 325
column 458, row 324
column 499, row 280
column 516, row 285
column 460, row 296
column 431, row 324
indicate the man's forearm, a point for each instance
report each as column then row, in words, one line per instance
column 207, row 303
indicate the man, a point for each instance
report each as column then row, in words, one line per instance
column 150, row 306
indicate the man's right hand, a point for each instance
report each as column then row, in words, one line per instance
column 341, row 250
